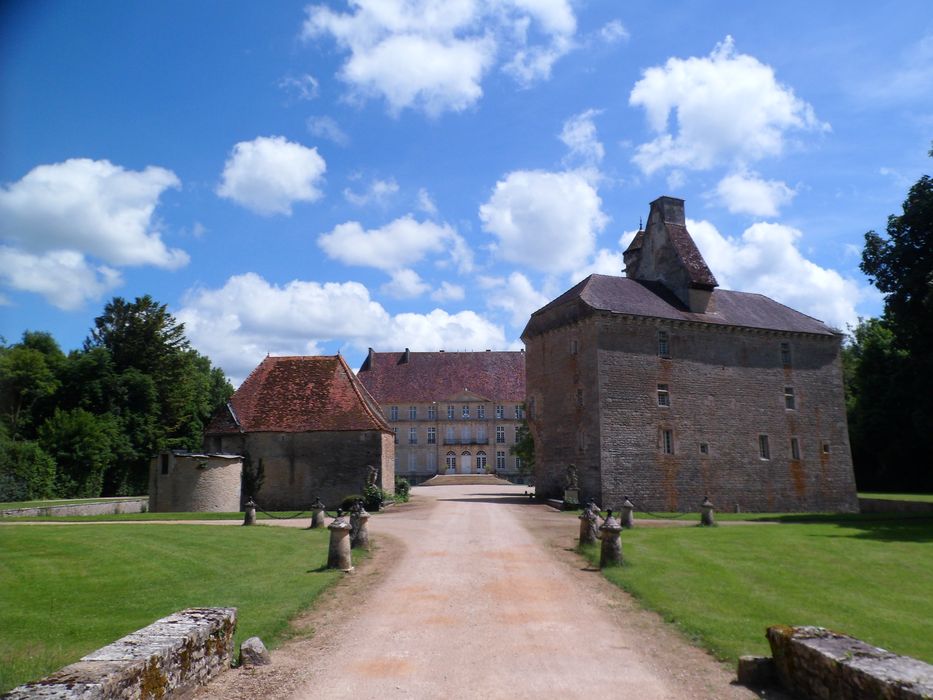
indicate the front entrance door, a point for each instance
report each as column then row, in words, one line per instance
column 466, row 463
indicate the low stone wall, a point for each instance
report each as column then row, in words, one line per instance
column 813, row 662
column 887, row 505
column 167, row 659
column 110, row 507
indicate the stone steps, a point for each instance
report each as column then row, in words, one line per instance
column 465, row 480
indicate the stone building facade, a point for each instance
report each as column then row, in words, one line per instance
column 185, row 482
column 659, row 387
column 450, row 412
column 312, row 429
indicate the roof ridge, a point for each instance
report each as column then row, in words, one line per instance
column 357, row 385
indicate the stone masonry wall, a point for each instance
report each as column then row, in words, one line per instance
column 195, row 483
column 300, row 467
column 164, row 660
column 726, row 388
column 813, row 662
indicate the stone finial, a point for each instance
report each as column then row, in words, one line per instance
column 706, row 512
column 610, row 553
column 359, row 529
column 338, row 554
column 628, row 521
column 589, row 519
column 317, row 513
column 249, row 517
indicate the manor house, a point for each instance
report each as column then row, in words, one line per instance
column 450, row 412
column 660, row 387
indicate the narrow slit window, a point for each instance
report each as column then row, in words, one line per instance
column 825, row 447
column 664, row 396
column 667, row 441
column 790, row 401
column 664, row 344
column 764, row 449
column 794, row 449
column 704, row 448
column 785, row 354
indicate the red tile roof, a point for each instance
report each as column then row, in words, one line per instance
column 300, row 394
column 438, row 376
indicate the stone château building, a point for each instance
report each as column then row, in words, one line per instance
column 662, row 388
column 450, row 412
column 310, row 426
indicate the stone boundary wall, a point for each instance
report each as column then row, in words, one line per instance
column 167, row 659
column 885, row 505
column 813, row 662
column 111, row 507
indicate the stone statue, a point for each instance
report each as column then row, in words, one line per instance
column 373, row 476
column 571, row 478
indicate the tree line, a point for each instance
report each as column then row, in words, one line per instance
column 87, row 423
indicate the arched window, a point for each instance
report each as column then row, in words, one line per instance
column 480, row 461
column 451, row 462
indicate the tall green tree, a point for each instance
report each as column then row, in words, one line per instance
column 890, row 361
column 26, row 381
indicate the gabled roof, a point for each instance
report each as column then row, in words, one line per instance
column 297, row 395
column 652, row 299
column 422, row 377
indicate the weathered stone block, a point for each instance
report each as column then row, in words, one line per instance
column 756, row 671
column 254, row 653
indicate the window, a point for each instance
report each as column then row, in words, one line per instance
column 664, row 396
column 825, row 447
column 395, row 432
column 481, row 411
column 412, row 436
column 449, row 435
column 667, row 441
column 465, row 412
column 481, row 434
column 764, row 449
column 500, row 411
column 785, row 354
column 581, row 441
column 412, row 461
column 480, row 461
column 517, row 429
column 412, row 413
column 432, row 412
column 704, row 448
column 465, row 435
column 450, row 413
column 789, row 403
column 574, row 346
column 432, row 436
column 519, row 412
column 500, row 433
column 664, row 345
column 432, row 461
column 452, row 461
column 518, row 464
column 500, row 460
column 794, row 449
column 393, row 413
column 579, row 397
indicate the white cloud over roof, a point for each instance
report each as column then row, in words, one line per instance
column 269, row 174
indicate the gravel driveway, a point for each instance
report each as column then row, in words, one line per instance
column 474, row 593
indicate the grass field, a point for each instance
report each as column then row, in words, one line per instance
column 64, row 502
column 142, row 517
column 724, row 586
column 65, row 591
column 925, row 497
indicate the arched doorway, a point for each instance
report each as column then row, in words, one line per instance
column 480, row 462
column 466, row 462
column 451, row 462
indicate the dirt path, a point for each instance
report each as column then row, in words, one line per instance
column 472, row 594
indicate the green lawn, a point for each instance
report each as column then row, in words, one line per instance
column 64, row 502
column 65, row 591
column 925, row 497
column 724, row 586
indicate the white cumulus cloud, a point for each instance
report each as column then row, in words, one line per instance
column 448, row 292
column 747, row 193
column 378, row 192
column 63, row 277
column 727, row 107
column 432, row 55
column 248, row 317
column 544, row 220
column 579, row 135
column 515, row 295
column 90, row 206
column 766, row 259
column 269, row 174
column 398, row 244
column 405, row 284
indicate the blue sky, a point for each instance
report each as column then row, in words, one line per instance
column 297, row 178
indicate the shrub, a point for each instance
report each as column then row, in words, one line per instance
column 26, row 472
column 348, row 501
column 373, row 498
column 402, row 489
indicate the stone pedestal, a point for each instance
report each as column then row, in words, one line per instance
column 610, row 553
column 706, row 513
column 249, row 517
column 571, row 498
column 359, row 528
column 627, row 509
column 317, row 514
column 589, row 526
column 338, row 555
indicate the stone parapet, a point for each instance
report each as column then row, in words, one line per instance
column 813, row 662
column 165, row 660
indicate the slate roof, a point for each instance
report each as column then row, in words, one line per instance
column 652, row 299
column 439, row 376
column 697, row 269
column 299, row 394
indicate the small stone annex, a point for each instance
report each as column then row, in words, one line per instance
column 451, row 412
column 659, row 387
column 310, row 427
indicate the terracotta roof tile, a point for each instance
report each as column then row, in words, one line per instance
column 700, row 274
column 438, row 376
column 299, row 394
